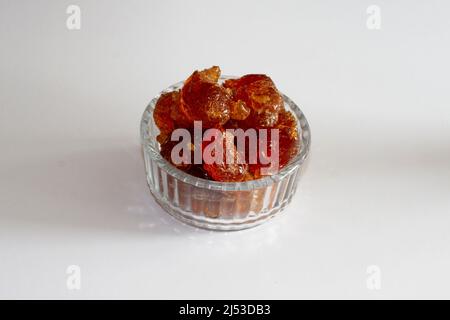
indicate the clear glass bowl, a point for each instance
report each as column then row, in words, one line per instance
column 220, row 205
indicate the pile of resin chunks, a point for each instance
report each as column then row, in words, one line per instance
column 251, row 101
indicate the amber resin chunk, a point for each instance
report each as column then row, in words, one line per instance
column 161, row 114
column 239, row 110
column 288, row 142
column 259, row 93
column 203, row 99
column 166, row 152
column 288, row 137
column 168, row 115
column 197, row 170
column 232, row 171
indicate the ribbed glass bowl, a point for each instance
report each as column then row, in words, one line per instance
column 220, row 205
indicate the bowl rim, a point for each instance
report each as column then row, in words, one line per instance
column 147, row 141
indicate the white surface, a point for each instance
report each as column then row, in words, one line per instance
column 376, row 190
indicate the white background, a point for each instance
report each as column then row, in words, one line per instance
column 376, row 189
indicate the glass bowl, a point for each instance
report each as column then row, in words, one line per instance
column 217, row 205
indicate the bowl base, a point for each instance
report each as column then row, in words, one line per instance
column 218, row 224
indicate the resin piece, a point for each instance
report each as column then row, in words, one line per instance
column 288, row 134
column 239, row 110
column 259, row 94
column 243, row 81
column 264, row 119
column 180, row 120
column 166, row 152
column 203, row 99
column 287, row 124
column 168, row 115
column 211, row 75
column 226, row 170
column 288, row 143
column 197, row 170
column 161, row 114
